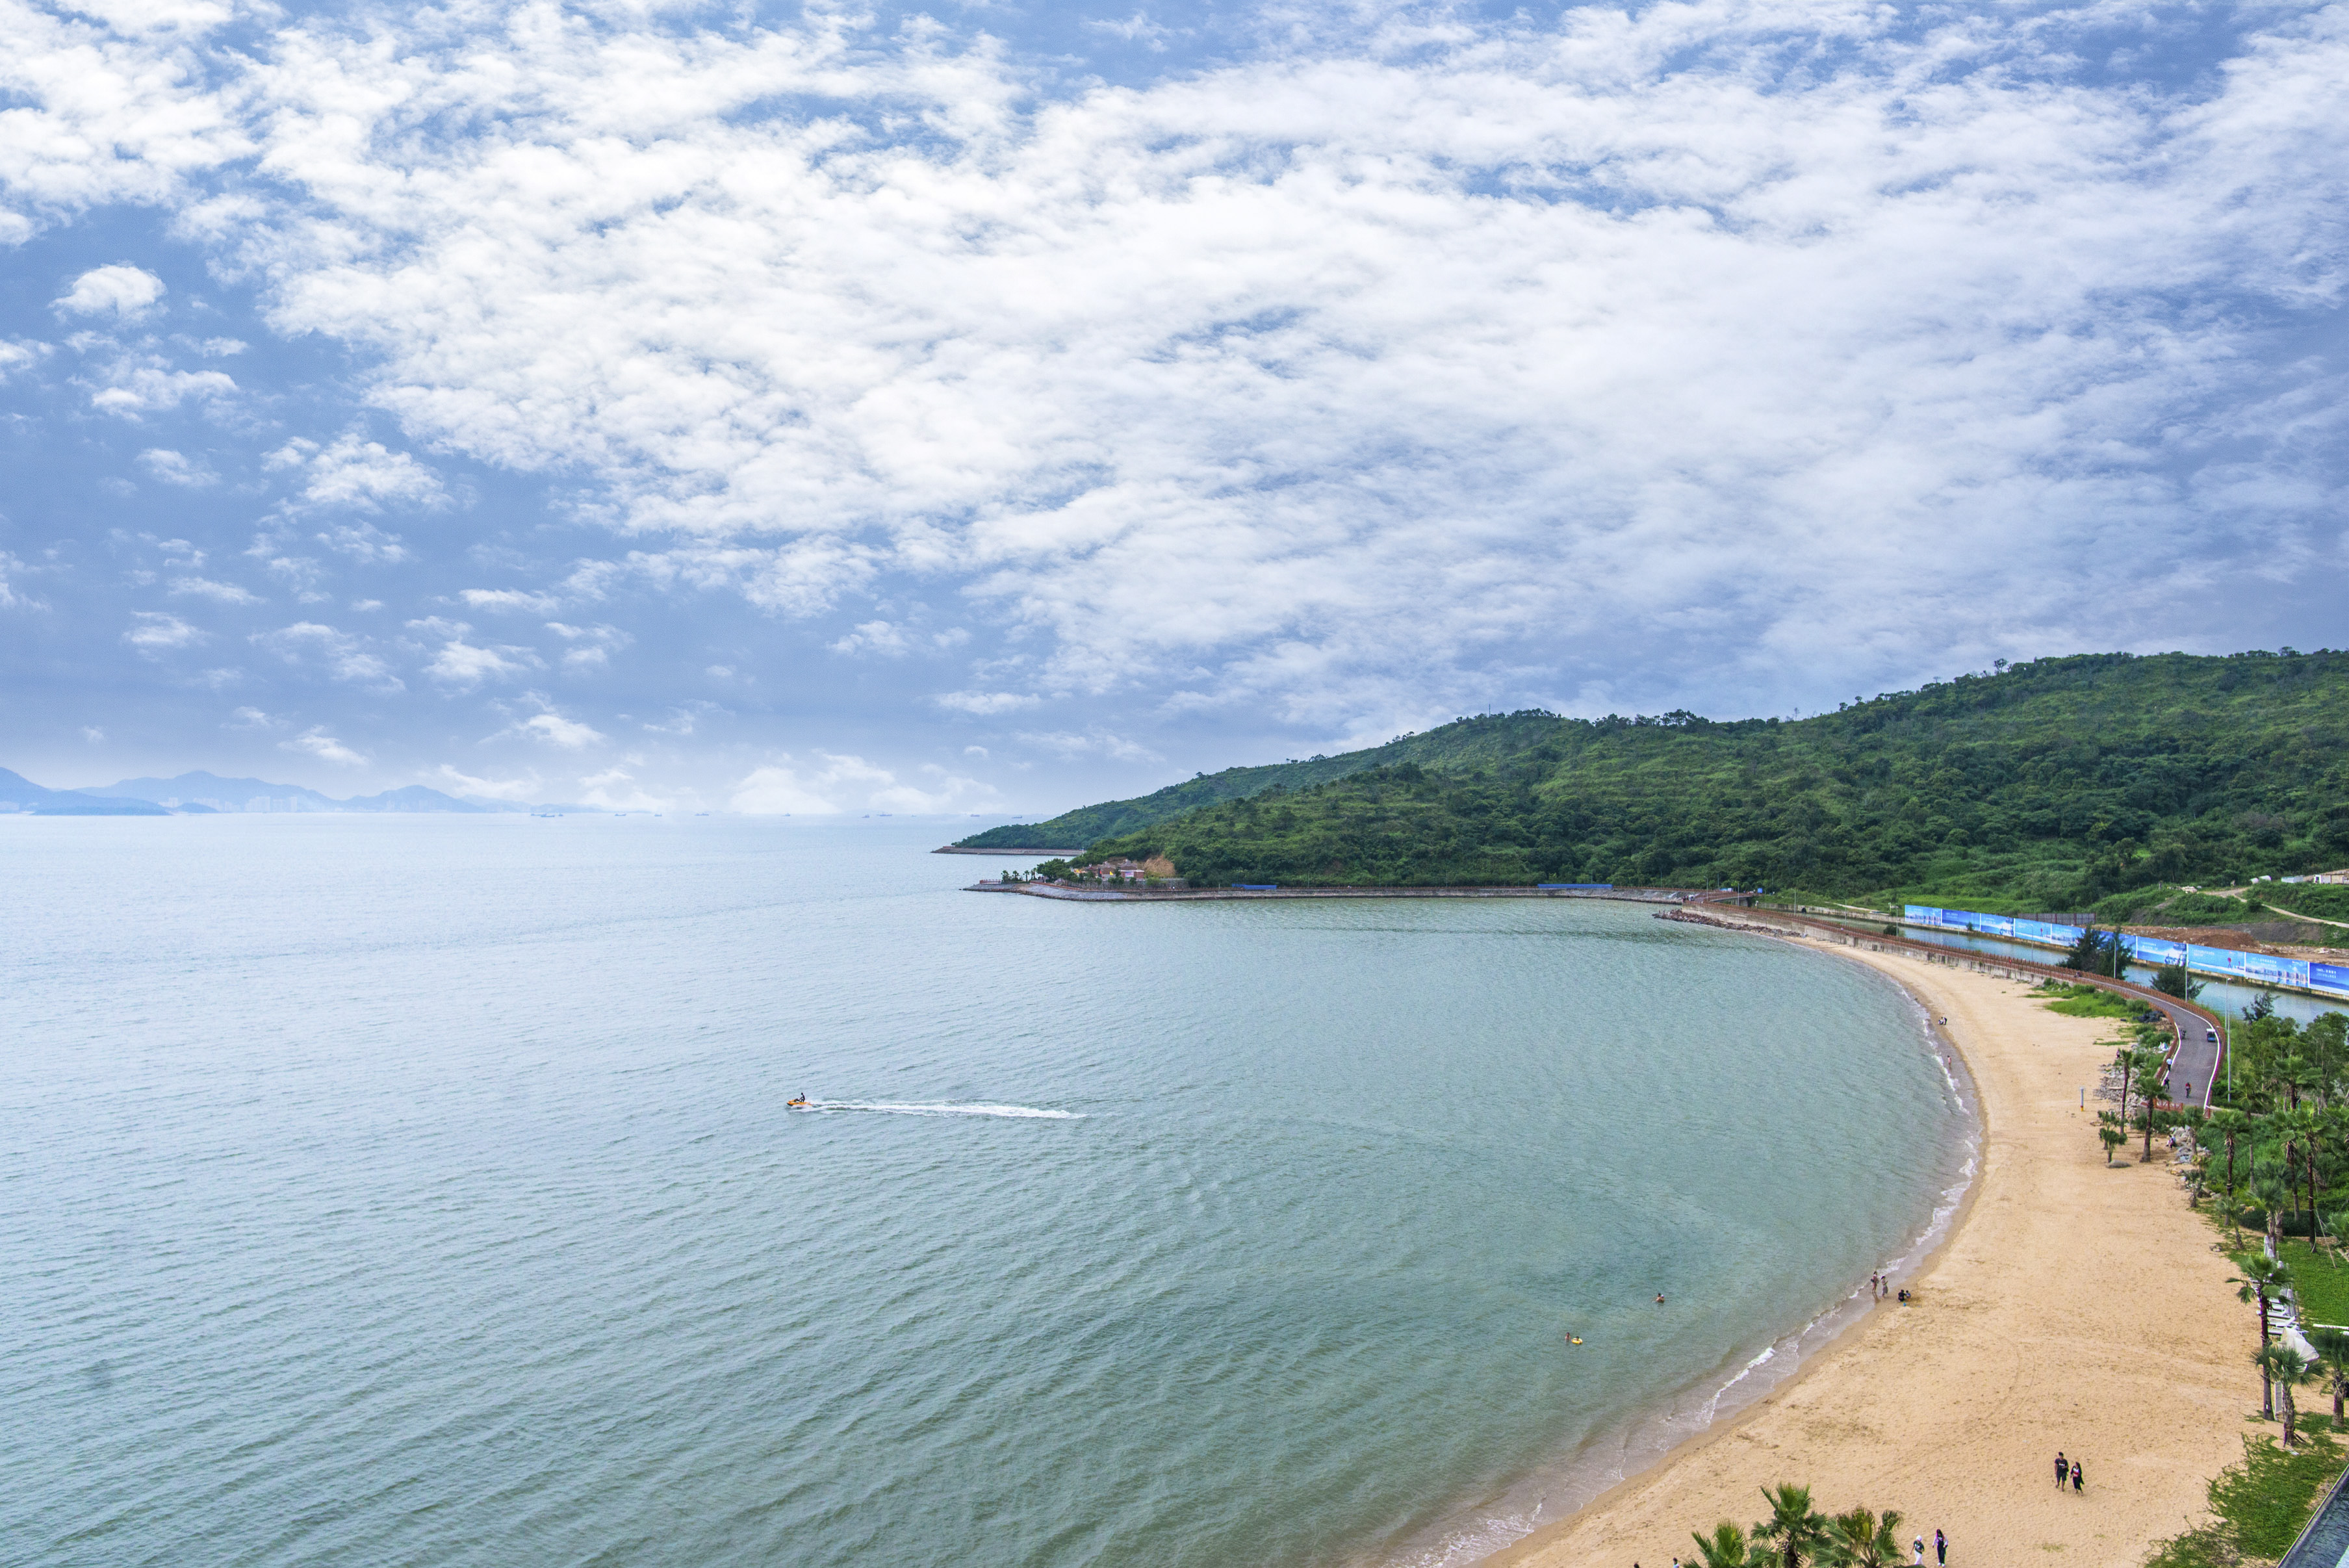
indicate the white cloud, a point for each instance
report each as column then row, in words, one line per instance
column 222, row 593
column 126, row 293
column 1067, row 743
column 984, row 704
column 92, row 733
column 509, row 599
column 872, row 637
column 591, row 647
column 368, row 476
column 1137, row 28
column 144, row 384
column 316, row 743
column 343, row 657
column 1409, row 364
column 828, row 782
column 173, row 468
column 365, row 542
column 251, row 719
column 557, row 731
column 355, row 475
column 12, row 597
column 466, row 785
column 615, row 789
column 464, row 664
column 153, row 633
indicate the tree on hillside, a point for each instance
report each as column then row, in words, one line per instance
column 1795, row 1530
column 2173, row 980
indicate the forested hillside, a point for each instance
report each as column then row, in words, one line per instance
column 2048, row 785
column 1489, row 741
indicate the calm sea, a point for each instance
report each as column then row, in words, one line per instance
column 420, row 1191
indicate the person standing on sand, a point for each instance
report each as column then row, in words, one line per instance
column 1919, row 1559
column 2063, row 1471
column 1941, row 1549
column 2075, row 1475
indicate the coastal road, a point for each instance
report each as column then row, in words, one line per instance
column 2197, row 1060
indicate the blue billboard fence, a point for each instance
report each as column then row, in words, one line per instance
column 2226, row 963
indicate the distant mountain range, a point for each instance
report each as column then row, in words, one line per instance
column 203, row 793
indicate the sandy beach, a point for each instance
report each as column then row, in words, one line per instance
column 2074, row 1307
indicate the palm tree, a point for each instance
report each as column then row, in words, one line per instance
column 2149, row 1088
column 2269, row 1188
column 2113, row 1139
column 2300, row 1127
column 2230, row 1125
column 1863, row 1540
column 1727, row 1547
column 1794, row 1529
column 2262, row 1278
column 2332, row 1347
column 2282, row 1367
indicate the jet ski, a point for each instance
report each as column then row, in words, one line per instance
column 798, row 1104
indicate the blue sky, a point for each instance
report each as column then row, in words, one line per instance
column 990, row 409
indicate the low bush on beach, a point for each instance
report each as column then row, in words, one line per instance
column 2261, row 1504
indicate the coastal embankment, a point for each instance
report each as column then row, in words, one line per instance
column 2074, row 1305
column 1213, row 894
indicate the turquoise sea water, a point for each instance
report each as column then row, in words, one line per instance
column 420, row 1192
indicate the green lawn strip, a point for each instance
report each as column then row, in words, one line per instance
column 2087, row 1002
column 2322, row 1284
column 2262, row 1503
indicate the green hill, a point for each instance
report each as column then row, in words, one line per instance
column 2050, row 785
column 1488, row 741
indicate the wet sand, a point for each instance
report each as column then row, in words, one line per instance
column 2074, row 1307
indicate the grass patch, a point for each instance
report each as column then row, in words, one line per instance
column 2262, row 1503
column 2322, row 1283
column 2085, row 1001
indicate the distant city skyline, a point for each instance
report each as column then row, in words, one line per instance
column 689, row 408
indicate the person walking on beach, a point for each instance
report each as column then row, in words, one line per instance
column 2063, row 1471
column 1919, row 1559
column 2075, row 1475
column 1941, row 1549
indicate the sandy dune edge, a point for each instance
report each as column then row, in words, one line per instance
column 2074, row 1307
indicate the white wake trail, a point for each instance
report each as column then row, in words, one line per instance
column 894, row 1108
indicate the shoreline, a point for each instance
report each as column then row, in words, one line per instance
column 1656, row 1437
column 1899, row 1395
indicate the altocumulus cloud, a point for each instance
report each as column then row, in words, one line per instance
column 1354, row 382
